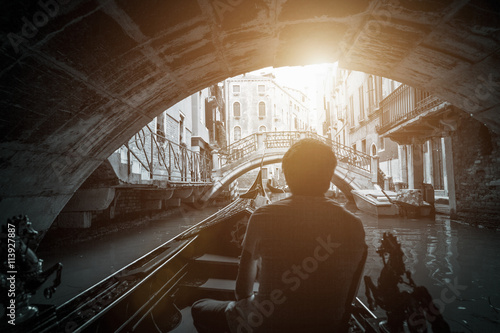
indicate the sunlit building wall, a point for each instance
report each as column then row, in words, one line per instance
column 357, row 96
column 259, row 104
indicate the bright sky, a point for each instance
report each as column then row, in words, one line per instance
column 299, row 77
column 304, row 78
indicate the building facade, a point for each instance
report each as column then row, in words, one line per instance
column 176, row 145
column 363, row 106
column 257, row 103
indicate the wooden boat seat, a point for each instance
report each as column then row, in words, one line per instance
column 215, row 266
column 217, row 259
column 223, row 285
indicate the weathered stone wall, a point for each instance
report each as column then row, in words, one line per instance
column 476, row 157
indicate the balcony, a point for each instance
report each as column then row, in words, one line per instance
column 410, row 113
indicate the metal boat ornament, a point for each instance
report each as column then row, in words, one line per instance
column 21, row 272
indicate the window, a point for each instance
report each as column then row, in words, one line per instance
column 261, row 89
column 237, row 133
column 363, row 146
column 351, row 109
column 182, row 133
column 361, row 103
column 381, row 143
column 262, row 109
column 371, row 94
column 262, row 128
column 201, row 108
column 374, row 150
column 237, row 109
column 236, row 88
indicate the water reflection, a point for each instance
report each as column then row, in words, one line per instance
column 459, row 265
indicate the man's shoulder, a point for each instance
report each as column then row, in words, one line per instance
column 299, row 203
column 287, row 202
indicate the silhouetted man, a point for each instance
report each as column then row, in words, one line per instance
column 306, row 252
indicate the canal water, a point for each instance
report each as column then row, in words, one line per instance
column 459, row 264
column 88, row 262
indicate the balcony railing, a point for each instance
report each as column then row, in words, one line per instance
column 403, row 104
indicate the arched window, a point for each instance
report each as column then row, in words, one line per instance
column 237, row 109
column 262, row 109
column 262, row 128
column 237, row 133
column 374, row 150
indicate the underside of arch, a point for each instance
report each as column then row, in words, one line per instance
column 79, row 78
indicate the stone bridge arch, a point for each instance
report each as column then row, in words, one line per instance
column 79, row 78
column 224, row 177
column 354, row 170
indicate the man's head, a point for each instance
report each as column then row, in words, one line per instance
column 308, row 167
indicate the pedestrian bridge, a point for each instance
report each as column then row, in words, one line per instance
column 355, row 170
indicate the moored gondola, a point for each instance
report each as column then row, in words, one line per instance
column 275, row 189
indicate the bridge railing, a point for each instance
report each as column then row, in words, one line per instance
column 347, row 154
column 166, row 160
column 284, row 139
column 239, row 149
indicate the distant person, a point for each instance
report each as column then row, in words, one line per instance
column 306, row 252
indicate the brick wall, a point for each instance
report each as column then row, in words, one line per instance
column 129, row 204
column 476, row 157
column 172, row 129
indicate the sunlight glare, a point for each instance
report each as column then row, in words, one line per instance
column 304, row 78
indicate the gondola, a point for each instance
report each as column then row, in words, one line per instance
column 274, row 189
column 155, row 292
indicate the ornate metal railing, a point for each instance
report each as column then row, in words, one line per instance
column 167, row 160
column 347, row 154
column 239, row 149
column 284, row 139
column 402, row 104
